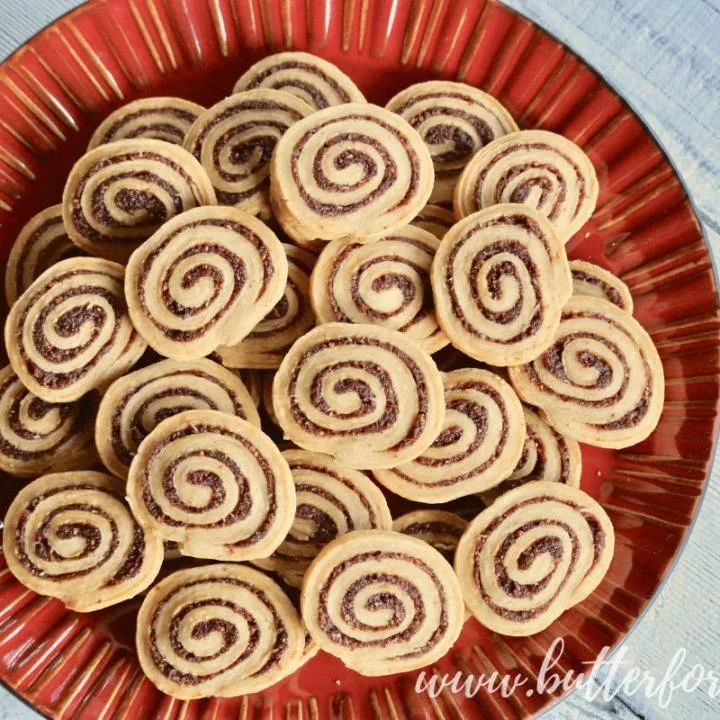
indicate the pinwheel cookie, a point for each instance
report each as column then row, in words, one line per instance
column 454, row 120
column 589, row 279
column 536, row 551
column 135, row 404
column 70, row 331
column 215, row 484
column 117, row 195
column 500, row 279
column 353, row 171
column 384, row 283
column 206, row 278
column 600, row 381
column 71, row 536
column 317, row 82
column 361, row 393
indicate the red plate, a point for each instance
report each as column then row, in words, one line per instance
column 58, row 87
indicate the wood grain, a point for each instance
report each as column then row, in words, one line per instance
column 663, row 56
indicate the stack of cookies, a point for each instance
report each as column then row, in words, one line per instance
column 300, row 341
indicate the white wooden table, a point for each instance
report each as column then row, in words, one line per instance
column 664, row 57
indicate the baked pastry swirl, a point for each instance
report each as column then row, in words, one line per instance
column 435, row 219
column 70, row 331
column 601, row 380
column 234, row 140
column 454, row 120
column 362, row 393
column 386, row 283
column 500, row 278
column 382, row 602
column 71, row 536
column 438, row 528
column 292, row 317
column 536, row 551
column 155, row 118
column 206, row 278
column 478, row 446
column 589, row 279
column 41, row 243
column 135, row 404
column 331, row 500
column 117, row 195
column 38, row 436
column 316, row 81
column 217, row 630
column 353, row 171
column 537, row 168
column 213, row 483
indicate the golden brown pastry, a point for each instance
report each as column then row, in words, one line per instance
column 71, row 536
column 206, row 278
column 154, row 118
column 353, row 171
column 382, row 602
column 385, row 283
column 438, row 528
column 135, row 404
column 41, row 243
column 454, row 120
column 213, row 483
column 601, row 380
column 117, row 195
column 500, row 278
column 291, row 318
column 234, row 140
column 537, row 168
column 435, row 219
column 361, row 393
column 70, row 331
column 217, row 630
column 536, row 551
column 316, row 81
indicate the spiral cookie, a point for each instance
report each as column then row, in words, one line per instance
column 362, row 393
column 135, row 404
column 589, row 279
column 435, row 219
column 331, row 501
column 382, row 283
column 37, row 436
column 314, row 80
column 536, row 551
column 478, row 446
column 601, row 381
column 155, row 118
column 438, row 528
column 500, row 278
column 217, row 630
column 68, row 331
column 352, row 171
column 213, row 483
column 291, row 317
column 206, row 277
column 454, row 120
column 71, row 536
column 40, row 244
column 537, row 168
column 382, row 602
column 119, row 194
column 235, row 139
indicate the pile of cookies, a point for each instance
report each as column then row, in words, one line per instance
column 272, row 321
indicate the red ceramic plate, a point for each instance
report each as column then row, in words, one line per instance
column 57, row 88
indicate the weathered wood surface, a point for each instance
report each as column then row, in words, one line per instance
column 664, row 57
